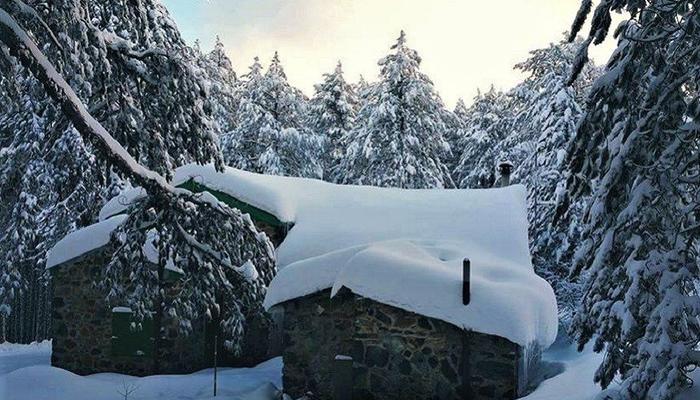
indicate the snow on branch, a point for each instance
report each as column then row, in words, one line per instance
column 126, row 47
column 28, row 10
column 27, row 52
column 694, row 357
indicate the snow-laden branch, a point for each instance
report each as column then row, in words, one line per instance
column 29, row 55
column 126, row 47
column 246, row 271
column 28, row 10
column 694, row 357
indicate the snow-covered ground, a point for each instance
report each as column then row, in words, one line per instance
column 26, row 374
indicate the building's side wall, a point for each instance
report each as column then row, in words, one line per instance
column 493, row 366
column 82, row 328
column 529, row 373
column 397, row 354
column 315, row 330
column 402, row 355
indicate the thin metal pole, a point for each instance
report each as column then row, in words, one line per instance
column 216, row 346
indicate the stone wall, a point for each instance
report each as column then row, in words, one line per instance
column 396, row 354
column 82, row 328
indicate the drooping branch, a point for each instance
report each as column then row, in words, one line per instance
column 27, row 52
column 29, row 55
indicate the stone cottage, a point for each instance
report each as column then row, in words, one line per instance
column 397, row 321
column 89, row 337
column 372, row 298
column 399, row 294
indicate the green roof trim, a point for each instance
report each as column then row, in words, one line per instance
column 254, row 212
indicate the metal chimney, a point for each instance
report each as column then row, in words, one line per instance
column 466, row 281
column 504, row 170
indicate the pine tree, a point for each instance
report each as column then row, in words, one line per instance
column 270, row 136
column 636, row 155
column 488, row 122
column 456, row 131
column 129, row 64
column 362, row 90
column 331, row 115
column 548, row 116
column 398, row 140
column 226, row 263
column 218, row 71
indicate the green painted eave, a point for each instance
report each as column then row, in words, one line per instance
column 255, row 213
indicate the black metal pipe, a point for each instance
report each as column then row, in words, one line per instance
column 466, row 284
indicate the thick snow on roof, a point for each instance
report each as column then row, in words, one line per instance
column 403, row 248
column 507, row 298
column 82, row 241
column 330, row 217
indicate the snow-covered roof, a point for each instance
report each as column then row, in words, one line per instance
column 399, row 247
column 95, row 236
column 403, row 248
column 83, row 241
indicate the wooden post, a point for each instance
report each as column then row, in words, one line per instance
column 216, row 336
column 466, row 273
column 342, row 378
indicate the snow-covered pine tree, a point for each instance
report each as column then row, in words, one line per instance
column 226, row 263
column 270, row 136
column 488, row 122
column 250, row 117
column 456, row 130
column 398, row 138
column 460, row 109
column 636, row 155
column 549, row 113
column 223, row 81
column 361, row 87
column 331, row 114
column 530, row 126
column 129, row 64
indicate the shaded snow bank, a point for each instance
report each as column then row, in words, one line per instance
column 42, row 382
column 15, row 356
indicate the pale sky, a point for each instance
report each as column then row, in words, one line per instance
column 465, row 44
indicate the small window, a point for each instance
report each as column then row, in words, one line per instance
column 127, row 341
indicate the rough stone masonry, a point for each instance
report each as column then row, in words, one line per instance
column 396, row 354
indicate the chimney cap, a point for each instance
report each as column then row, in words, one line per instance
column 505, row 167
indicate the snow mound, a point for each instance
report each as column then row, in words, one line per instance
column 425, row 277
column 43, row 382
column 82, row 241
